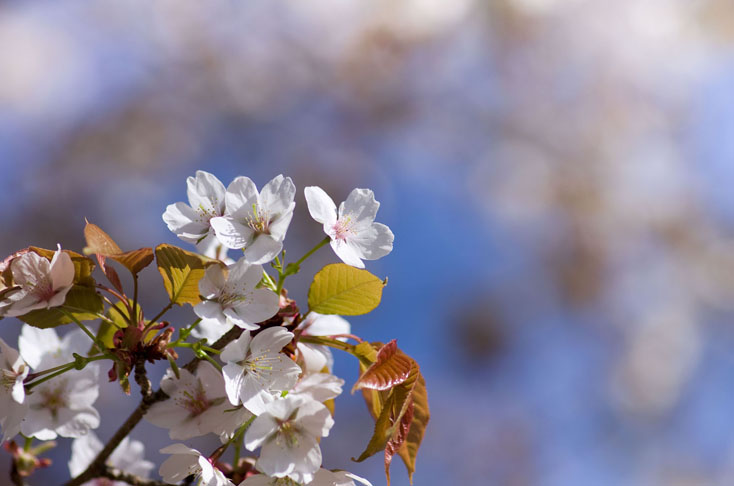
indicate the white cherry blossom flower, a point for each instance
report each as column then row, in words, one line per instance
column 354, row 234
column 234, row 299
column 129, row 456
column 287, row 432
column 61, row 406
column 191, row 222
column 314, row 357
column 13, row 407
column 185, row 461
column 198, row 405
column 44, row 344
column 255, row 368
column 43, row 284
column 256, row 221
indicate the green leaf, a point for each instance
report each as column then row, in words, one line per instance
column 181, row 271
column 390, row 369
column 344, row 290
column 82, row 302
column 106, row 330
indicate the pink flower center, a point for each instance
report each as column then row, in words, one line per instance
column 259, row 221
column 53, row 399
column 194, row 401
column 342, row 229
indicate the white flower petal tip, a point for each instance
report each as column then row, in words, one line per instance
column 191, row 222
column 354, row 234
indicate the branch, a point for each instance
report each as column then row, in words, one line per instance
column 97, row 467
column 118, row 475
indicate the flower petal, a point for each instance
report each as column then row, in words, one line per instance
column 241, row 195
column 360, row 206
column 320, row 205
column 264, row 248
column 206, row 193
column 347, row 253
column 277, row 196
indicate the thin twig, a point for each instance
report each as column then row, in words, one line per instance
column 98, row 466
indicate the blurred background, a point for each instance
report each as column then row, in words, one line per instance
column 558, row 175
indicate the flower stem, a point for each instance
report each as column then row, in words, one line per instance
column 313, row 250
column 97, row 342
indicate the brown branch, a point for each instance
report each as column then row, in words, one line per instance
column 118, row 475
column 97, row 467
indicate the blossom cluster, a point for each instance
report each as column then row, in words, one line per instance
column 266, row 387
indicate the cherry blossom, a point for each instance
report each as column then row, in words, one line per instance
column 234, row 299
column 191, row 222
column 287, row 432
column 13, row 407
column 354, row 234
column 198, row 405
column 43, row 284
column 256, row 221
column 185, row 461
column 129, row 456
column 255, row 367
column 323, row 477
column 62, row 406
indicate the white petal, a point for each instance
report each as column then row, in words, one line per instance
column 83, row 451
column 360, row 206
column 243, row 277
column 34, row 343
column 326, row 325
column 211, row 329
column 213, row 282
column 260, row 429
column 270, row 340
column 373, row 242
column 315, row 418
column 206, row 193
column 264, row 248
column 276, row 197
column 29, row 268
column 210, row 310
column 241, row 195
column 61, row 270
column 320, row 205
column 261, row 305
column 314, row 358
column 231, row 233
column 279, row 225
column 347, row 253
column 185, row 222
column 236, row 350
column 233, row 378
column 80, row 424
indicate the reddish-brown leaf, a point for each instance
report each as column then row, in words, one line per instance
column 390, row 369
column 100, row 243
column 109, row 272
column 421, row 415
column 398, row 438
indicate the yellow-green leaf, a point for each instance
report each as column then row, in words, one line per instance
column 81, row 301
column 181, row 271
column 344, row 290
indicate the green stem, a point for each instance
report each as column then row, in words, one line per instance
column 313, row 250
column 59, row 370
column 97, row 342
column 135, row 300
column 332, row 343
column 48, row 377
column 237, row 440
column 213, row 362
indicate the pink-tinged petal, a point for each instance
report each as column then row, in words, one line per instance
column 233, row 379
column 241, row 195
column 29, row 268
column 320, row 205
column 373, row 242
column 299, row 461
column 347, row 254
column 261, row 305
column 360, row 206
column 185, row 222
column 276, row 197
column 279, row 226
column 263, row 249
column 231, row 233
column 25, row 304
column 261, row 428
column 206, row 193
column 61, row 270
column 59, row 297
